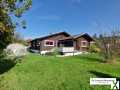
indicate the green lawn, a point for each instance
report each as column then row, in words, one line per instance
column 52, row 73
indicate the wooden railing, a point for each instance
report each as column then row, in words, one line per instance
column 66, row 49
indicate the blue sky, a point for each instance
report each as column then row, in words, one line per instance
column 73, row 16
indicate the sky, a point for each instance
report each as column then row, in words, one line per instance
column 72, row 16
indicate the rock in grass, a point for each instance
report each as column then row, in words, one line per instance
column 16, row 50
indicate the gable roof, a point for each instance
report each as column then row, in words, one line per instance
column 87, row 36
column 55, row 34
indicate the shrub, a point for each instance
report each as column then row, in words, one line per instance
column 50, row 54
column 54, row 52
column 94, row 48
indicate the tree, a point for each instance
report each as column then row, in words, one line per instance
column 110, row 45
column 95, row 36
column 10, row 9
column 18, row 38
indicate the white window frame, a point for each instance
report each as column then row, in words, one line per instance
column 82, row 43
column 49, row 41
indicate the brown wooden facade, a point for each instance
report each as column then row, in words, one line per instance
column 79, row 42
column 39, row 43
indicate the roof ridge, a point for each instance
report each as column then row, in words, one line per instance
column 49, row 35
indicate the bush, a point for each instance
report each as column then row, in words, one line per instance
column 53, row 52
column 56, row 51
column 50, row 54
column 94, row 48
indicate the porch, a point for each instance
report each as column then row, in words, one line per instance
column 66, row 45
column 70, row 46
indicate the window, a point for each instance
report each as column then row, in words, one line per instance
column 49, row 43
column 84, row 43
column 68, row 43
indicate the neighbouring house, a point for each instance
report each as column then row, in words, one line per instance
column 66, row 43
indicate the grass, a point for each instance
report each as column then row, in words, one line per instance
column 54, row 73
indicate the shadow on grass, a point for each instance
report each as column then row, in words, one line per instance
column 6, row 65
column 103, row 75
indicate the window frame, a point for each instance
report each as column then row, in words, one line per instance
column 49, row 41
column 82, row 45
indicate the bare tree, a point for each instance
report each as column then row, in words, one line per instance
column 110, row 45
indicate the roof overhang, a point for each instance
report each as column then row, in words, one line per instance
column 51, row 35
column 85, row 35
